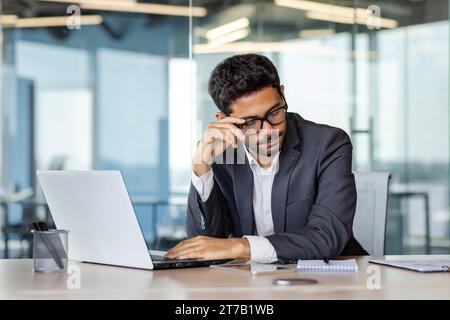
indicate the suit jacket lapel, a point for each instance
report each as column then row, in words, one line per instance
column 288, row 157
column 243, row 193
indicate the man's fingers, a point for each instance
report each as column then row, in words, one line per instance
column 189, row 242
column 185, row 245
column 231, row 138
column 220, row 134
column 199, row 254
column 229, row 127
column 231, row 120
column 173, row 254
column 184, row 253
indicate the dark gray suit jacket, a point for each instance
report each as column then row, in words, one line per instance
column 313, row 196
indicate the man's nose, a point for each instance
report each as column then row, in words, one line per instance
column 267, row 127
column 266, row 132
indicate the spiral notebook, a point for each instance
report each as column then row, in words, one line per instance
column 349, row 265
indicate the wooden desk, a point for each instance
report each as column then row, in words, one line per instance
column 17, row 281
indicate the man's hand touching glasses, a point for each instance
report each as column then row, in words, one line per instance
column 217, row 138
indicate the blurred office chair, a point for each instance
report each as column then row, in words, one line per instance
column 369, row 225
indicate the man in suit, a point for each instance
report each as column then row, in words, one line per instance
column 291, row 196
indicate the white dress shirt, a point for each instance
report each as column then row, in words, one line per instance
column 261, row 250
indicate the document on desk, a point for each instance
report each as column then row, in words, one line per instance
column 441, row 265
column 330, row 266
column 254, row 268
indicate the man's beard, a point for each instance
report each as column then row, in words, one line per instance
column 268, row 146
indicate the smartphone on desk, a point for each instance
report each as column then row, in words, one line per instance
column 255, row 268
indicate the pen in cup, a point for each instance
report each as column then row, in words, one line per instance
column 52, row 243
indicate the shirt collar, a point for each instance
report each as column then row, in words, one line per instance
column 273, row 169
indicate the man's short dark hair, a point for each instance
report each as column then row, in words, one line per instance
column 240, row 76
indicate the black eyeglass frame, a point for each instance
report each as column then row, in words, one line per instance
column 268, row 113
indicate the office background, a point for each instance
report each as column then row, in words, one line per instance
column 128, row 91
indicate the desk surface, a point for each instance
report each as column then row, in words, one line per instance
column 17, row 281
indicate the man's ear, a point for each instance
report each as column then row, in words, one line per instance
column 220, row 116
column 282, row 88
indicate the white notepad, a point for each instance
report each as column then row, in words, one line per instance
column 331, row 266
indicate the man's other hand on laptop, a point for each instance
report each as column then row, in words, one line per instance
column 209, row 248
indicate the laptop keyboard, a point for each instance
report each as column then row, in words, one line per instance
column 157, row 258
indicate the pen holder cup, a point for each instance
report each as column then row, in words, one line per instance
column 50, row 250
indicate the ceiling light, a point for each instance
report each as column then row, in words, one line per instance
column 230, row 37
column 383, row 22
column 136, row 7
column 42, row 22
column 315, row 33
column 250, row 46
column 227, row 28
column 8, row 19
column 334, row 13
column 316, row 7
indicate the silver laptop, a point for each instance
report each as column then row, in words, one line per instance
column 103, row 228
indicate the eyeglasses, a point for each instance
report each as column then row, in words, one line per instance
column 274, row 117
